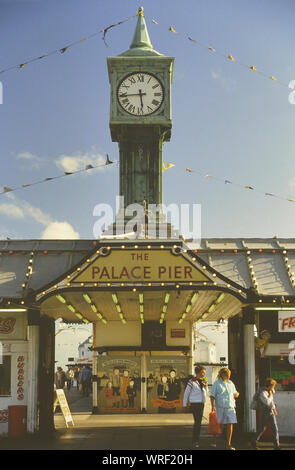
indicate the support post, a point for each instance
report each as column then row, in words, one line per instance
column 191, row 351
column 94, row 373
column 46, row 374
column 249, row 366
column 143, row 383
column 33, row 361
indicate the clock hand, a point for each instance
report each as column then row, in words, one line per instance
column 132, row 94
column 141, row 95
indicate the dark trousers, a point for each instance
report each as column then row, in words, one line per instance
column 265, row 417
column 197, row 409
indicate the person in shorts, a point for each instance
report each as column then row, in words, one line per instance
column 223, row 395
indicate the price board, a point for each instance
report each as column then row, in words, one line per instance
column 60, row 395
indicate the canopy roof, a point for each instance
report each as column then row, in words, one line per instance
column 246, row 271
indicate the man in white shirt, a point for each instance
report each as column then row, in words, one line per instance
column 195, row 394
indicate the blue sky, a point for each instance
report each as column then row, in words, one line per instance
column 227, row 121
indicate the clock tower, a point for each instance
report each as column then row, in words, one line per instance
column 140, row 116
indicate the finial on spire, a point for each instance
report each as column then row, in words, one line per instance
column 140, row 11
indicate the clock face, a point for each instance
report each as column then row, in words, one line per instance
column 140, row 93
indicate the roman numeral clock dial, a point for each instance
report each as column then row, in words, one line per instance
column 140, row 94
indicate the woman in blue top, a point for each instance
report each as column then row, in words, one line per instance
column 223, row 394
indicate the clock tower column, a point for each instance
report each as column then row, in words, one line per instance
column 140, row 116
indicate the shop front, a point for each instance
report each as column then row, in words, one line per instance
column 14, row 365
column 277, row 360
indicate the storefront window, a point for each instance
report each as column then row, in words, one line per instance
column 283, row 372
column 5, row 376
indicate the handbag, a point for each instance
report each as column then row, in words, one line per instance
column 214, row 426
column 255, row 402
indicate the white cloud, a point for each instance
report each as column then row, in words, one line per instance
column 52, row 229
column 28, row 157
column 12, row 210
column 70, row 163
column 60, row 231
column 36, row 214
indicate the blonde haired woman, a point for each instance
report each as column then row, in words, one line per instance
column 222, row 396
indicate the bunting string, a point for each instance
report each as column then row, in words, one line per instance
column 7, row 189
column 230, row 57
column 62, row 50
column 247, row 186
column 171, row 29
column 165, row 166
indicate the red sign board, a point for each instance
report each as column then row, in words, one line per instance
column 177, row 333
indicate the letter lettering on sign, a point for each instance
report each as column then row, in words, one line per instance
column 95, row 270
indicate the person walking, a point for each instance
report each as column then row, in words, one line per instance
column 222, row 396
column 60, row 378
column 70, row 377
column 86, row 381
column 265, row 403
column 195, row 393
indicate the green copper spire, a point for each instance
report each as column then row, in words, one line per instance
column 141, row 36
column 141, row 44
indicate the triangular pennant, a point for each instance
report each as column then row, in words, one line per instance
column 188, row 170
column 211, row 49
column 193, row 40
column 155, row 22
column 249, row 187
column 108, row 161
column 273, row 78
column 64, row 49
column 67, row 173
column 26, row 185
column 6, row 189
column 253, row 68
column 22, row 65
column 88, row 167
column 169, row 165
column 231, row 57
column 48, row 179
column 227, row 182
column 172, row 30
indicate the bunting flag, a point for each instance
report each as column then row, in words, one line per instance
column 108, row 161
column 169, row 165
column 6, row 189
column 228, row 57
column 62, row 50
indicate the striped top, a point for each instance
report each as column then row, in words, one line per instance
column 194, row 393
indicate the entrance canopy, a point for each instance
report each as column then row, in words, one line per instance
column 110, row 280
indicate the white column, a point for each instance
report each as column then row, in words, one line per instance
column 94, row 372
column 191, row 351
column 33, row 364
column 143, row 384
column 249, row 362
